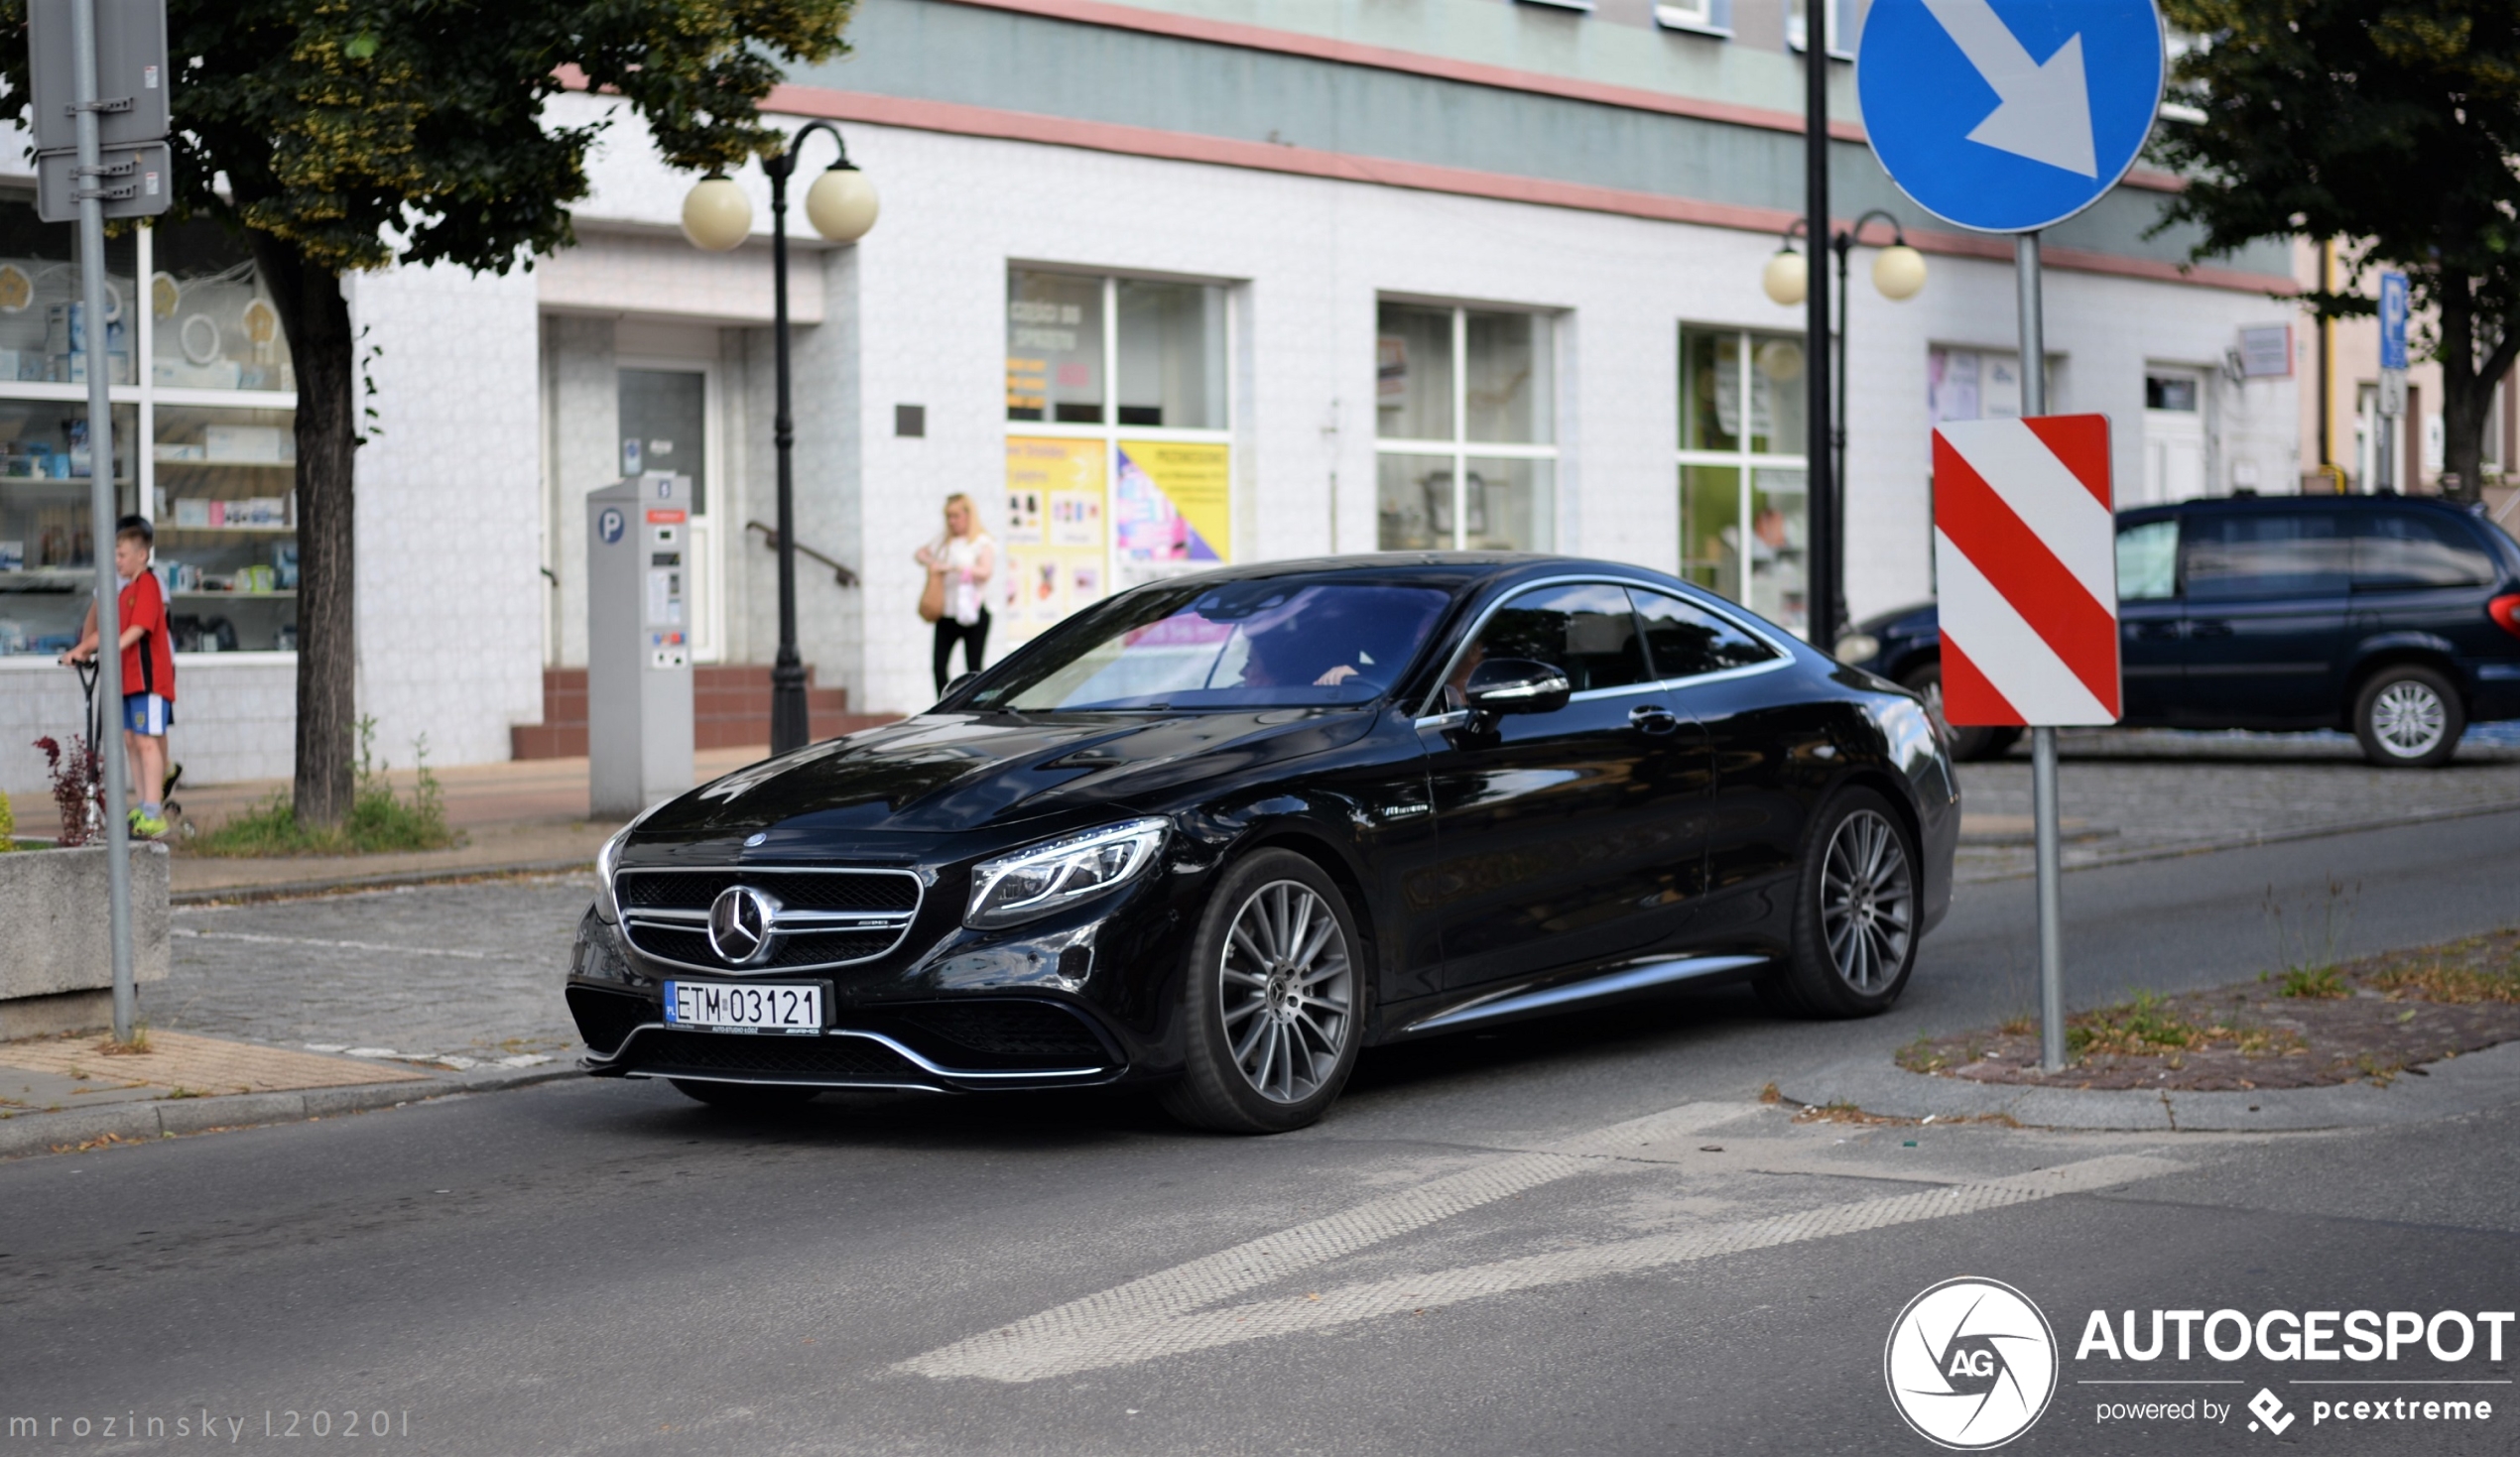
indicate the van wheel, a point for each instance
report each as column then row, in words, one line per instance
column 1967, row 743
column 2408, row 717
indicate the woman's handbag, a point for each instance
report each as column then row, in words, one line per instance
column 931, row 597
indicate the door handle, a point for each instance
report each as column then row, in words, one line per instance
column 1652, row 718
column 2210, row 628
column 2153, row 632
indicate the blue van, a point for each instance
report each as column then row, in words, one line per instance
column 2394, row 617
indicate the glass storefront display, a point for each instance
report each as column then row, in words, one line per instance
column 204, row 440
column 1743, row 494
column 1464, row 424
column 1122, row 469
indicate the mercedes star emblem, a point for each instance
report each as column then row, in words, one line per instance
column 739, row 922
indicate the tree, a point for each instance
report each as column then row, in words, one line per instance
column 347, row 135
column 2391, row 126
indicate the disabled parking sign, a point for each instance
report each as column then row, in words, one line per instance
column 2008, row 116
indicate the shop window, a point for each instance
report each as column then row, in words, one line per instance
column 215, row 407
column 1464, row 418
column 1121, row 472
column 1744, row 516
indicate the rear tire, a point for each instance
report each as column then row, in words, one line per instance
column 1273, row 999
column 1968, row 744
column 1857, row 913
column 2409, row 716
column 746, row 1097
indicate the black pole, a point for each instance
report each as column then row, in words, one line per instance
column 1821, row 545
column 1835, row 567
column 789, row 729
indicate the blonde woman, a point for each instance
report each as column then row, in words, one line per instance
column 959, row 564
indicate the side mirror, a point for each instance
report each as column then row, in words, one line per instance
column 1503, row 686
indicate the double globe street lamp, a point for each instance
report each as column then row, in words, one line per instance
column 1899, row 274
column 717, row 216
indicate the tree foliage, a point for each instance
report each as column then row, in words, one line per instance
column 2391, row 127
column 349, row 135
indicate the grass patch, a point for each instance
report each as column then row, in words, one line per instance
column 2317, row 983
column 2439, row 981
column 379, row 821
column 2147, row 1027
column 135, row 1047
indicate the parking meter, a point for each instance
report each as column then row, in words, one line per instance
column 638, row 643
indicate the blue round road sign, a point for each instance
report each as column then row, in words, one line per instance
column 2007, row 116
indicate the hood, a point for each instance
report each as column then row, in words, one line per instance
column 946, row 772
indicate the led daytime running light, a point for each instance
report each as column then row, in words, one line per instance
column 1017, row 888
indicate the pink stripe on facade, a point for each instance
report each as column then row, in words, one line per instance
column 958, row 119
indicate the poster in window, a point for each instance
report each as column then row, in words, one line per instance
column 1171, row 509
column 1055, row 534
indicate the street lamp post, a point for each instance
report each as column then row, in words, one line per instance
column 841, row 206
column 1897, row 274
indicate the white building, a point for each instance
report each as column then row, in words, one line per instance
column 1209, row 277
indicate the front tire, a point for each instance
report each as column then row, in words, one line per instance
column 1856, row 913
column 1968, row 744
column 745, row 1097
column 2409, row 717
column 1273, row 999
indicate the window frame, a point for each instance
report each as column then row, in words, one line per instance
column 1430, row 715
column 1746, row 463
column 144, row 394
column 1460, row 448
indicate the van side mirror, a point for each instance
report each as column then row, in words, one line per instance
column 1503, row 686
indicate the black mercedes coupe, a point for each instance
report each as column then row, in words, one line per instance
column 1222, row 832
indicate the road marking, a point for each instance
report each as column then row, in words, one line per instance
column 1170, row 1314
column 461, row 955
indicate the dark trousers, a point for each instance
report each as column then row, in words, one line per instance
column 974, row 639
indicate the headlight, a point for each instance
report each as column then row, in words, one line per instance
column 1857, row 647
column 1033, row 883
column 608, row 859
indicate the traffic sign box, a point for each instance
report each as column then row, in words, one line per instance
column 132, row 83
column 2025, row 548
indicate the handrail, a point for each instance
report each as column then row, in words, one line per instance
column 770, row 538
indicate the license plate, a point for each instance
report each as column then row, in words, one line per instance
column 745, row 1007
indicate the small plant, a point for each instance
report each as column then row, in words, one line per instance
column 8, row 826
column 2316, row 983
column 78, row 787
column 1922, row 1055
column 379, row 820
column 2320, row 949
column 138, row 1046
column 2439, row 981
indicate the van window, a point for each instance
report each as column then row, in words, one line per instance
column 2148, row 561
column 2399, row 549
column 2272, row 555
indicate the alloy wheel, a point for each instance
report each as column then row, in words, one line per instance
column 1287, row 990
column 1867, row 902
column 2409, row 718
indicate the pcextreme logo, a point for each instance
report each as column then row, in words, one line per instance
column 1971, row 1364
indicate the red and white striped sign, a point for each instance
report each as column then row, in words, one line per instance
column 2025, row 548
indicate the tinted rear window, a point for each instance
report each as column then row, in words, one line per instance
column 1686, row 640
column 2407, row 548
column 2271, row 555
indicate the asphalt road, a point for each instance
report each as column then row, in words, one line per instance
column 1578, row 1236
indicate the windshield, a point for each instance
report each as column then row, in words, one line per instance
column 1291, row 642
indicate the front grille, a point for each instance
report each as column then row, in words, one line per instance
column 795, row 949
column 843, row 1059
column 664, row 914
column 605, row 1018
column 805, row 889
column 1024, row 1030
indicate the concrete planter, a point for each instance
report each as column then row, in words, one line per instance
column 57, row 965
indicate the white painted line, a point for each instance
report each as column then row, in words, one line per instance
column 187, row 933
column 1099, row 1332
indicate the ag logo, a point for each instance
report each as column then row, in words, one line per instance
column 1971, row 1364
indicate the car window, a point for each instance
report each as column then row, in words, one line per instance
column 1684, row 640
column 2407, row 548
column 2148, row 561
column 2270, row 554
column 1585, row 629
column 1240, row 645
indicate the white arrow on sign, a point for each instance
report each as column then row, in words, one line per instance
column 2045, row 107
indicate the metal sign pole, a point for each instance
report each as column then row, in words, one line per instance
column 2043, row 740
column 104, row 508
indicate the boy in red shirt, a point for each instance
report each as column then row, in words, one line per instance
column 147, row 668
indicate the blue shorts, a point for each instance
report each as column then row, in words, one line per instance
column 147, row 713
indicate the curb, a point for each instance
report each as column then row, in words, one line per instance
column 2252, row 840
column 41, row 1133
column 2446, row 1089
column 291, row 890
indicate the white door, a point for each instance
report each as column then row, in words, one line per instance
column 667, row 422
column 2174, row 436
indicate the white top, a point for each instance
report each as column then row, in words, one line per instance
column 968, row 562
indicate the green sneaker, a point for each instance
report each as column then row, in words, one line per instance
column 148, row 827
